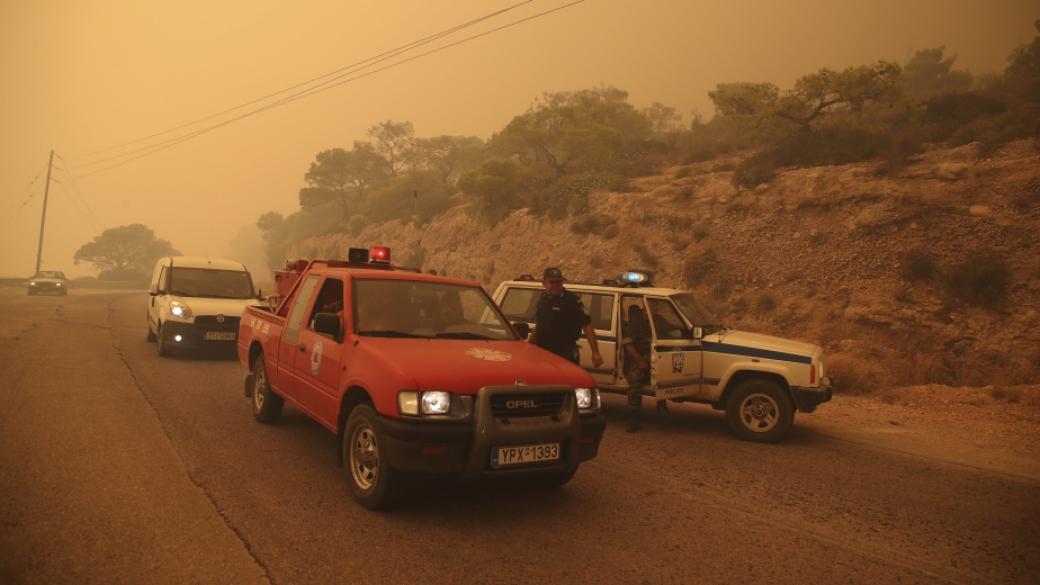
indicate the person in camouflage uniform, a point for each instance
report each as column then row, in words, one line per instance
column 636, row 344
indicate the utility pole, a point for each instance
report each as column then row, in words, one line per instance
column 43, row 217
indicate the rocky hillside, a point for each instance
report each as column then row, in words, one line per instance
column 897, row 276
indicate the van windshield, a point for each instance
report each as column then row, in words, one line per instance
column 210, row 283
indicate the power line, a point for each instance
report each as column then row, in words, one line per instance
column 318, row 89
column 376, row 58
column 77, row 193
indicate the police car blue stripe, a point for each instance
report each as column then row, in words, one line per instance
column 755, row 352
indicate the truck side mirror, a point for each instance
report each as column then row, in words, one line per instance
column 522, row 329
column 327, row 324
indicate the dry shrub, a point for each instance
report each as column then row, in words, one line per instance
column 682, row 172
column 852, row 375
column 766, row 303
column 646, row 256
column 981, row 280
column 593, row 223
column 919, row 264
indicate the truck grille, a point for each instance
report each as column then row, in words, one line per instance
column 524, row 405
column 210, row 322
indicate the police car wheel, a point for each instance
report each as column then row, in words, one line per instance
column 760, row 410
column 372, row 482
column 267, row 406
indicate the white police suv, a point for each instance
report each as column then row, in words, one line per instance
column 759, row 380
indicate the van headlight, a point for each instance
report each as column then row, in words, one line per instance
column 588, row 399
column 180, row 310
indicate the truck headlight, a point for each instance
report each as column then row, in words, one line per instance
column 408, row 403
column 436, row 402
column 180, row 310
column 588, row 398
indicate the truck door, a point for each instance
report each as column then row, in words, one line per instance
column 288, row 345
column 319, row 357
column 676, row 356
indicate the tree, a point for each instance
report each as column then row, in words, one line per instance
column 665, row 122
column 743, row 99
column 394, row 140
column 449, row 156
column 930, row 72
column 344, row 177
column 495, row 188
column 819, row 93
column 1023, row 70
column 416, row 196
column 124, row 253
column 574, row 131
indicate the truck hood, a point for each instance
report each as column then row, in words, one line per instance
column 465, row 366
column 201, row 306
column 764, row 342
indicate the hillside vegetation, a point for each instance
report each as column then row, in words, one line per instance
column 886, row 211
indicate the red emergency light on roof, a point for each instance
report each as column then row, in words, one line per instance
column 380, row 254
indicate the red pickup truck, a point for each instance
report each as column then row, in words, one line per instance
column 415, row 373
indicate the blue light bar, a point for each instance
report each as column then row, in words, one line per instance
column 633, row 277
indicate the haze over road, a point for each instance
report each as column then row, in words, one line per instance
column 121, row 467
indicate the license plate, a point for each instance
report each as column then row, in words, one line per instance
column 518, row 455
column 220, row 336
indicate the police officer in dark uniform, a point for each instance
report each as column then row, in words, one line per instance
column 560, row 320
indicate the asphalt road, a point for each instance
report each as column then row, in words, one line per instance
column 117, row 466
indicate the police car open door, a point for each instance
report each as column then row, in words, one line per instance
column 675, row 367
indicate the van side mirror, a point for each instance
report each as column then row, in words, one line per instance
column 698, row 333
column 154, row 292
column 522, row 329
column 327, row 324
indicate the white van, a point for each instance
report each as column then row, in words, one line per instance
column 197, row 302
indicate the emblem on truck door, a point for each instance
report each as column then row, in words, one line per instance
column 316, row 354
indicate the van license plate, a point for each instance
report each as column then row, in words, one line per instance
column 518, row 455
column 220, row 336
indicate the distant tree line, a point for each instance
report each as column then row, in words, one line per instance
column 569, row 144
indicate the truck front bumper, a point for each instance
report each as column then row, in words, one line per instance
column 465, row 448
column 808, row 398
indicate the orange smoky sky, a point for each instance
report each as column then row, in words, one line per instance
column 77, row 76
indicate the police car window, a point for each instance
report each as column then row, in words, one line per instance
column 520, row 304
column 666, row 321
column 600, row 309
column 403, row 308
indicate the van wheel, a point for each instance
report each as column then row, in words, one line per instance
column 372, row 482
column 760, row 410
column 164, row 348
column 267, row 406
column 555, row 480
column 150, row 338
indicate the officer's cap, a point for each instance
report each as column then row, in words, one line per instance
column 552, row 273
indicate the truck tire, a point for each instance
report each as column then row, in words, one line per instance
column 760, row 410
column 164, row 348
column 267, row 406
column 373, row 483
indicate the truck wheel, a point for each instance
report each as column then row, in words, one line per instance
column 164, row 348
column 760, row 410
column 267, row 406
column 372, row 482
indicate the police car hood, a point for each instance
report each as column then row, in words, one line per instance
column 465, row 366
column 209, row 306
column 765, row 342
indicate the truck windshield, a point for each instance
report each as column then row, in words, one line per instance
column 696, row 312
column 210, row 283
column 404, row 308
